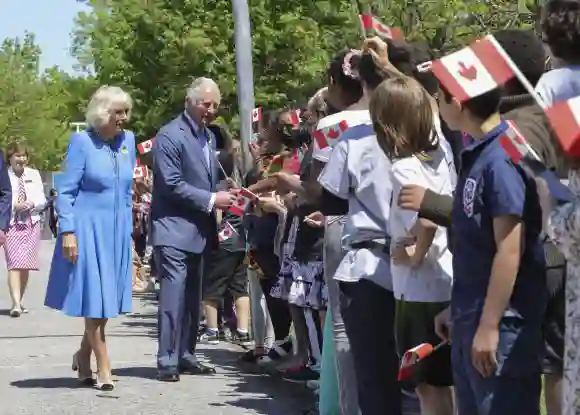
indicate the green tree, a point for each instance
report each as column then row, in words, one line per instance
column 37, row 108
column 448, row 24
column 154, row 48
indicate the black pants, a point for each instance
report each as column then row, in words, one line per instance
column 277, row 308
column 368, row 312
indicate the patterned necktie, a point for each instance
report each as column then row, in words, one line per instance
column 23, row 216
column 21, row 190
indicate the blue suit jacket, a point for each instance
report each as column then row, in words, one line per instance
column 5, row 195
column 183, row 183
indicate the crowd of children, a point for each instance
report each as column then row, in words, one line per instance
column 403, row 221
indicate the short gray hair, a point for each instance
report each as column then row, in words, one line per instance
column 99, row 109
column 199, row 85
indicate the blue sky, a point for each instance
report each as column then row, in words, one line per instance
column 52, row 22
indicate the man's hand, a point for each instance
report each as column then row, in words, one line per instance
column 223, row 200
column 443, row 324
column 484, row 349
column 315, row 219
column 411, row 197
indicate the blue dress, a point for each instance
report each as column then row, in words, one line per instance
column 94, row 201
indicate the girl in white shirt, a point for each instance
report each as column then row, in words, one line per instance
column 421, row 268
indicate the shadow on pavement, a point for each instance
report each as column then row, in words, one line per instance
column 48, row 383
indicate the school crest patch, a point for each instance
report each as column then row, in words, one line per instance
column 469, row 190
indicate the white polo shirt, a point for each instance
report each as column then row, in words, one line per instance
column 431, row 280
column 359, row 171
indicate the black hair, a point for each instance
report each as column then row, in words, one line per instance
column 527, row 51
column 373, row 72
column 223, row 137
column 420, row 53
column 481, row 107
column 351, row 85
column 561, row 27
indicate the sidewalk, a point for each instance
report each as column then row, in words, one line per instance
column 35, row 374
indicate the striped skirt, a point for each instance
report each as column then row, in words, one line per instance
column 22, row 246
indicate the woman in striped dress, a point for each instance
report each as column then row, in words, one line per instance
column 23, row 237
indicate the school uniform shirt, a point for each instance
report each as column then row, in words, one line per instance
column 352, row 117
column 491, row 186
column 359, row 171
column 432, row 279
column 559, row 84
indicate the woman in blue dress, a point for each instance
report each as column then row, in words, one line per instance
column 90, row 276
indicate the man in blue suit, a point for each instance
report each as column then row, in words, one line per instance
column 5, row 199
column 184, row 225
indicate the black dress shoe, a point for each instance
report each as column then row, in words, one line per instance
column 196, row 368
column 168, row 375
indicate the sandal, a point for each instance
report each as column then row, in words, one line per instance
column 15, row 312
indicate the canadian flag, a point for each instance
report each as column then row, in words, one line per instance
column 257, row 114
column 326, row 137
column 370, row 22
column 565, row 119
column 226, row 233
column 146, row 146
column 295, row 116
column 474, row 70
column 520, row 152
column 515, row 144
column 242, row 202
column 413, row 356
column 140, row 172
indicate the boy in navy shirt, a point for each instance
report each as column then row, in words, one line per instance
column 499, row 290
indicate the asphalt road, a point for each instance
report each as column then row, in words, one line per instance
column 36, row 376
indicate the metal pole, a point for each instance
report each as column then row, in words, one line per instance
column 245, row 76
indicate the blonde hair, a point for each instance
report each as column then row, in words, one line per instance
column 99, row 109
column 402, row 117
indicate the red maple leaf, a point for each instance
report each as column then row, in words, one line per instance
column 468, row 72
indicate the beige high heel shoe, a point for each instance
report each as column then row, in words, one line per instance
column 105, row 386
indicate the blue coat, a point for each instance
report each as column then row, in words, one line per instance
column 182, row 214
column 5, row 195
column 94, row 203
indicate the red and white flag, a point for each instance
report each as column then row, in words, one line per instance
column 565, row 119
column 226, row 233
column 140, row 172
column 257, row 114
column 370, row 22
column 515, row 144
column 328, row 136
column 242, row 202
column 146, row 146
column 295, row 116
column 473, row 70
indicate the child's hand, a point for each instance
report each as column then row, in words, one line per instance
column 400, row 255
column 315, row 219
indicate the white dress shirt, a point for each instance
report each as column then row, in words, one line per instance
column 34, row 189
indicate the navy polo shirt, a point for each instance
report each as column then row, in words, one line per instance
column 490, row 186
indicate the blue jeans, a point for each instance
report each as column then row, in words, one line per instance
column 508, row 392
